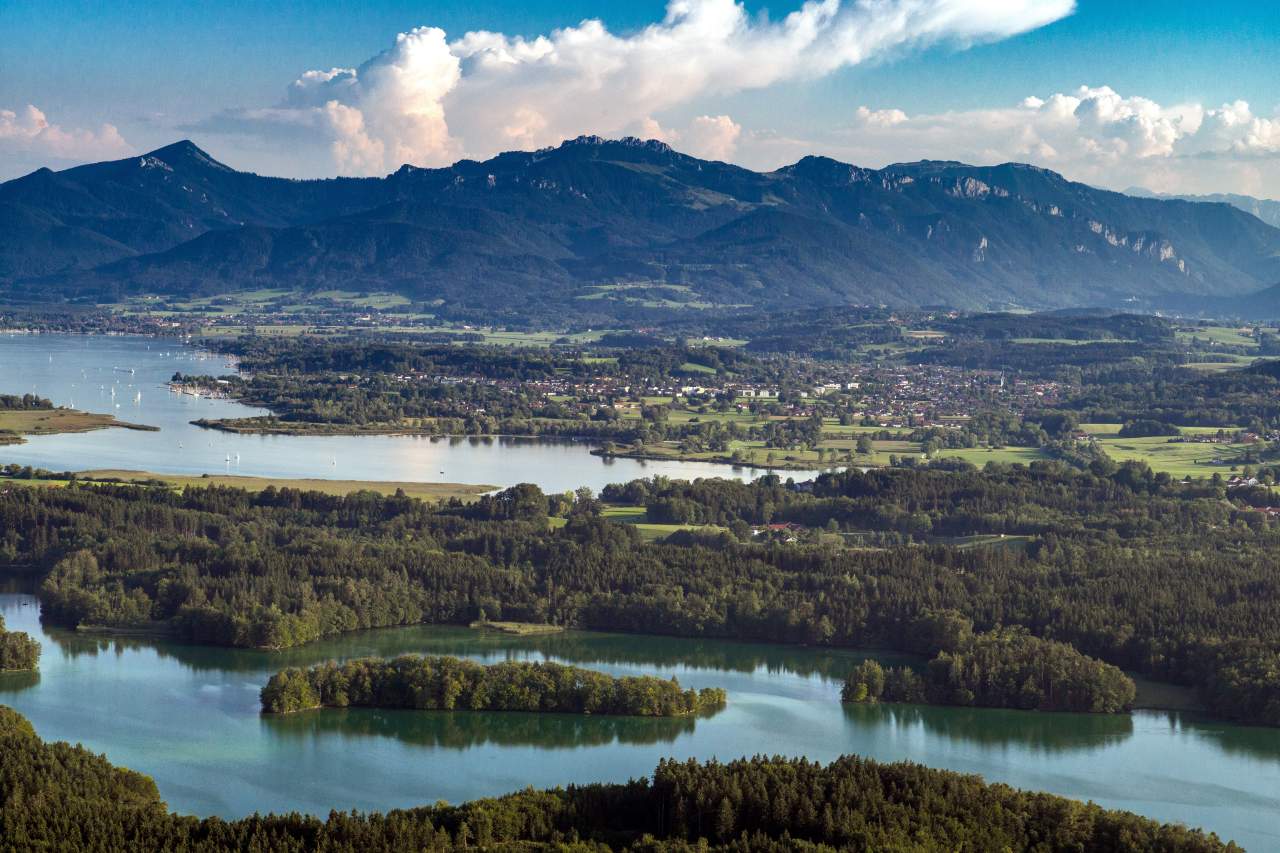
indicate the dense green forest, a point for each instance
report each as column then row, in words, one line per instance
column 17, row 650
column 1146, row 573
column 449, row 683
column 60, row 797
column 1007, row 668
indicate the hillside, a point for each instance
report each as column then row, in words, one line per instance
column 601, row 228
column 1266, row 209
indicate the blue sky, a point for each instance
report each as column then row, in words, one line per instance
column 108, row 79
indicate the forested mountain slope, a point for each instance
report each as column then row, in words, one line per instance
column 597, row 227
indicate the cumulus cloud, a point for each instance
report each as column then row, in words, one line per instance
column 1093, row 134
column 29, row 132
column 713, row 137
column 708, row 137
column 427, row 100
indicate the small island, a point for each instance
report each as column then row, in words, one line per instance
column 18, row 652
column 1006, row 668
column 449, row 683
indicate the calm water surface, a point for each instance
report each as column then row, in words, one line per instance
column 189, row 717
column 90, row 372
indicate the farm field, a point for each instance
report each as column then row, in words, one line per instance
column 1180, row 459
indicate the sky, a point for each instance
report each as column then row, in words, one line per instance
column 1175, row 96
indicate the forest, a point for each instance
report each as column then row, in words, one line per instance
column 1006, row 668
column 1160, row 577
column 450, row 683
column 17, row 650
column 54, row 796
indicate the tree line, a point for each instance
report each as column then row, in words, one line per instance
column 54, row 796
column 1006, row 668
column 17, row 650
column 24, row 402
column 450, row 683
column 1164, row 578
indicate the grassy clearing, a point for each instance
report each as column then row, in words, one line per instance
column 923, row 334
column 1221, row 361
column 637, row 516
column 423, row 491
column 1180, row 459
column 1015, row 543
column 522, row 629
column 980, row 456
column 1235, row 336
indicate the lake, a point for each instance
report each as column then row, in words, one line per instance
column 188, row 716
column 91, row 372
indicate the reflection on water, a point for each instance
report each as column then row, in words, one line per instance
column 80, row 370
column 467, row 729
column 996, row 728
column 14, row 682
column 189, row 716
column 576, row 647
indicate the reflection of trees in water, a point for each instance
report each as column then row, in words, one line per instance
column 576, row 647
column 16, row 682
column 1233, row 739
column 991, row 727
column 465, row 729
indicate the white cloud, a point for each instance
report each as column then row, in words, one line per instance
column 708, row 137
column 712, row 137
column 29, row 132
column 427, row 100
column 1093, row 134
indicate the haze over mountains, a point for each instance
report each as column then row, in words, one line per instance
column 601, row 228
column 1266, row 209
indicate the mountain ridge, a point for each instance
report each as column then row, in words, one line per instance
column 1266, row 209
column 596, row 227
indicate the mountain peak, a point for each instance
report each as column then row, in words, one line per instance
column 824, row 170
column 183, row 152
column 593, row 141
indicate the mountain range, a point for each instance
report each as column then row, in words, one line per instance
column 1266, row 209
column 605, row 228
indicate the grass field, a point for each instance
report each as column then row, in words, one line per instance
column 637, row 516
column 424, row 491
column 980, row 456
column 1234, row 336
column 1178, row 459
column 1218, row 361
